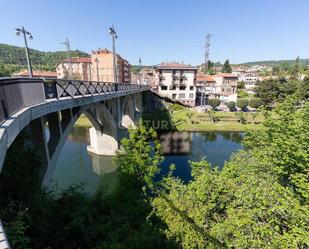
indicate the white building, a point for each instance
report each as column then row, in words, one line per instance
column 176, row 82
column 80, row 66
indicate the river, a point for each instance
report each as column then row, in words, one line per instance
column 76, row 166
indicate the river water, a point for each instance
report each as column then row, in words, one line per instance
column 77, row 167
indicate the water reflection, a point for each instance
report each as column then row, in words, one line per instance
column 77, row 166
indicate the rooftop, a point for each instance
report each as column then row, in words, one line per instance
column 225, row 75
column 37, row 74
column 203, row 77
column 175, row 66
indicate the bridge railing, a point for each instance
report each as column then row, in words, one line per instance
column 17, row 93
column 74, row 88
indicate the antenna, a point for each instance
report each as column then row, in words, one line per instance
column 68, row 49
column 206, row 62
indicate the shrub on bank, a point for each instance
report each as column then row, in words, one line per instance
column 231, row 105
column 214, row 103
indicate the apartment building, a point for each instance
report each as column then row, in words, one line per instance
column 177, row 82
column 226, row 87
column 102, row 67
column 81, row 69
column 98, row 67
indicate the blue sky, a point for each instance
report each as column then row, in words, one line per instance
column 162, row 30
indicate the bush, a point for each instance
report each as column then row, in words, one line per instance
column 176, row 107
column 255, row 103
column 231, row 105
column 240, row 85
column 214, row 103
column 242, row 103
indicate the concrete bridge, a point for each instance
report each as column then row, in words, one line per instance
column 57, row 104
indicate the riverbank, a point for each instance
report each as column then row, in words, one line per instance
column 188, row 120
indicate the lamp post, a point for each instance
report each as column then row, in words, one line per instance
column 26, row 33
column 97, row 62
column 114, row 37
column 140, row 70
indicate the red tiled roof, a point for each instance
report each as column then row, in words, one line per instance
column 175, row 66
column 79, row 60
column 226, row 75
column 203, row 77
column 38, row 74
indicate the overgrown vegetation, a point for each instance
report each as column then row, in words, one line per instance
column 258, row 200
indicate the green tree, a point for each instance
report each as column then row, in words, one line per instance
column 227, row 67
column 283, row 143
column 242, row 103
column 141, row 154
column 241, row 116
column 214, row 103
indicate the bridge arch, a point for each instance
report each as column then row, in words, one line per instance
column 128, row 114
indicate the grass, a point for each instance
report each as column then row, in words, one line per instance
column 226, row 121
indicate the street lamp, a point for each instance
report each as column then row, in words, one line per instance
column 26, row 33
column 113, row 33
column 97, row 62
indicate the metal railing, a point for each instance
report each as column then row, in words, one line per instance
column 18, row 93
column 74, row 88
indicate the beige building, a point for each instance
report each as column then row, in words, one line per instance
column 226, row 86
column 102, row 67
column 176, row 82
column 98, row 67
column 81, row 69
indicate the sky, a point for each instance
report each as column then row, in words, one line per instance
column 164, row 30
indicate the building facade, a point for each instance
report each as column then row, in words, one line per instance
column 102, row 67
column 177, row 82
column 98, row 67
column 47, row 75
column 78, row 68
column 226, row 87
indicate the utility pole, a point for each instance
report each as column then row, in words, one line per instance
column 114, row 37
column 26, row 33
column 68, row 49
column 207, row 45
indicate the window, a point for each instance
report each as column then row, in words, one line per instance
column 191, row 95
column 182, row 95
column 174, row 96
column 191, row 87
column 182, row 87
column 163, row 88
column 172, row 87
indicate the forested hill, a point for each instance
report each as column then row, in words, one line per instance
column 16, row 57
column 276, row 62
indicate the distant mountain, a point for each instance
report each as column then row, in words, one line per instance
column 275, row 62
column 16, row 57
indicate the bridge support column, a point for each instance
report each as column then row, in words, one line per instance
column 39, row 143
column 104, row 133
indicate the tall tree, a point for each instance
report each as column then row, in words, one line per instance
column 227, row 67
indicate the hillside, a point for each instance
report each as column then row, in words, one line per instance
column 14, row 58
column 276, row 62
